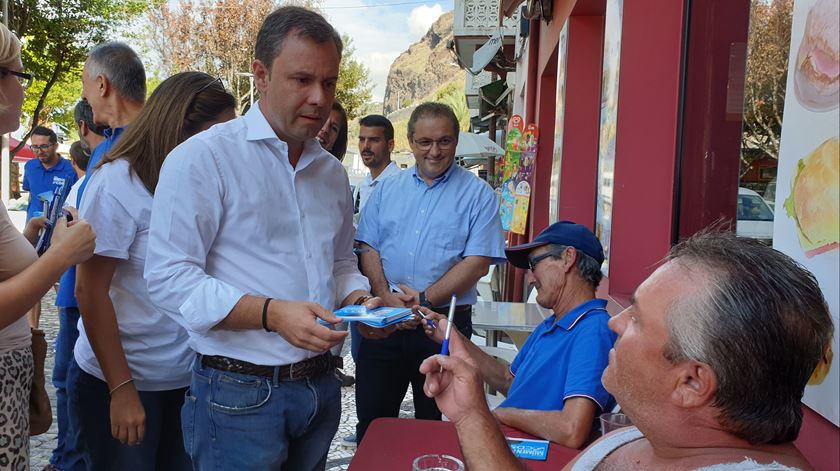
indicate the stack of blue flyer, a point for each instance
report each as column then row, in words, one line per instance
column 379, row 317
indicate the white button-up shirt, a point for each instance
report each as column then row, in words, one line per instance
column 364, row 190
column 231, row 217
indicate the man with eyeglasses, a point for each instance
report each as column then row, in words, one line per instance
column 43, row 175
column 553, row 387
column 426, row 233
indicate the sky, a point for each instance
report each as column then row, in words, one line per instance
column 382, row 29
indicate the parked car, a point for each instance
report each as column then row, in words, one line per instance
column 770, row 194
column 755, row 218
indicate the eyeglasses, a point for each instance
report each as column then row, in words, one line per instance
column 41, row 147
column 24, row 78
column 533, row 261
column 209, row 84
column 443, row 143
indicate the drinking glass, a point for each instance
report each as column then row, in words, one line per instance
column 437, row 463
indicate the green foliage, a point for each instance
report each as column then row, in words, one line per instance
column 452, row 94
column 57, row 35
column 354, row 88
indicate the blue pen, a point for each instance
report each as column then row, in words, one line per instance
column 444, row 349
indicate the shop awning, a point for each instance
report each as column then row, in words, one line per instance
column 23, row 155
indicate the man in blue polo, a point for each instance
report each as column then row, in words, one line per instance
column 44, row 174
column 553, row 387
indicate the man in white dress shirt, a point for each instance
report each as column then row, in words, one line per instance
column 250, row 246
column 376, row 142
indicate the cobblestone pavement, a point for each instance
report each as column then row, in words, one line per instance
column 338, row 459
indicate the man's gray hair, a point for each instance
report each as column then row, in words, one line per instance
column 588, row 268
column 760, row 321
column 121, row 66
column 292, row 20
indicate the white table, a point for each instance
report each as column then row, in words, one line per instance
column 495, row 317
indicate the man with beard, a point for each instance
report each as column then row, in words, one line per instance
column 376, row 142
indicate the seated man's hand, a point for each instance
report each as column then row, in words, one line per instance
column 434, row 324
column 297, row 322
column 458, row 390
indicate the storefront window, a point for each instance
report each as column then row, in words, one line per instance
column 609, row 113
column 554, row 189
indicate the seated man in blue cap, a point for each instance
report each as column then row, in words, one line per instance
column 553, row 387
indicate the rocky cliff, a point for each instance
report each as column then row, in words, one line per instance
column 423, row 68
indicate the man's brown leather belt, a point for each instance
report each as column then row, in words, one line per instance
column 316, row 366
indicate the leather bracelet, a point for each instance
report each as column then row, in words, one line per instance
column 129, row 380
column 423, row 301
column 362, row 299
column 265, row 315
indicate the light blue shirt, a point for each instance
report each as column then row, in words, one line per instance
column 422, row 231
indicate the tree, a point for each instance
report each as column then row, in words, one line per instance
column 354, row 88
column 766, row 79
column 452, row 94
column 214, row 36
column 218, row 37
column 57, row 35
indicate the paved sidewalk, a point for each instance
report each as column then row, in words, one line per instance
column 338, row 459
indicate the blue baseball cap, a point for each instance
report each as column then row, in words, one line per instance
column 560, row 233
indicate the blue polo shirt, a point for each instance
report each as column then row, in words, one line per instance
column 111, row 137
column 37, row 180
column 421, row 230
column 562, row 359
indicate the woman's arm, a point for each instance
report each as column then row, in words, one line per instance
column 70, row 245
column 93, row 281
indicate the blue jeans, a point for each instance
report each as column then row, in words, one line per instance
column 66, row 456
column 243, row 422
column 162, row 447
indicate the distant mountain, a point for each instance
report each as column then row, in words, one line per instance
column 424, row 68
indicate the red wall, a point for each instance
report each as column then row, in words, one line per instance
column 819, row 441
column 582, row 120
column 646, row 136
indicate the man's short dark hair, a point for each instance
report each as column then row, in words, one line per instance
column 123, row 68
column 84, row 113
column 761, row 323
column 379, row 121
column 79, row 155
column 432, row 110
column 292, row 20
column 45, row 131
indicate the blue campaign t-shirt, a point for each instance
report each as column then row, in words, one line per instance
column 67, row 285
column 37, row 180
column 564, row 358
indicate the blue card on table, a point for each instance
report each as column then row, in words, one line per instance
column 528, row 449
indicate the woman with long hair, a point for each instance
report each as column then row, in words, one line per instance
column 132, row 363
column 333, row 135
column 24, row 278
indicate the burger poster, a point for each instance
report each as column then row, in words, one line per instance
column 807, row 216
